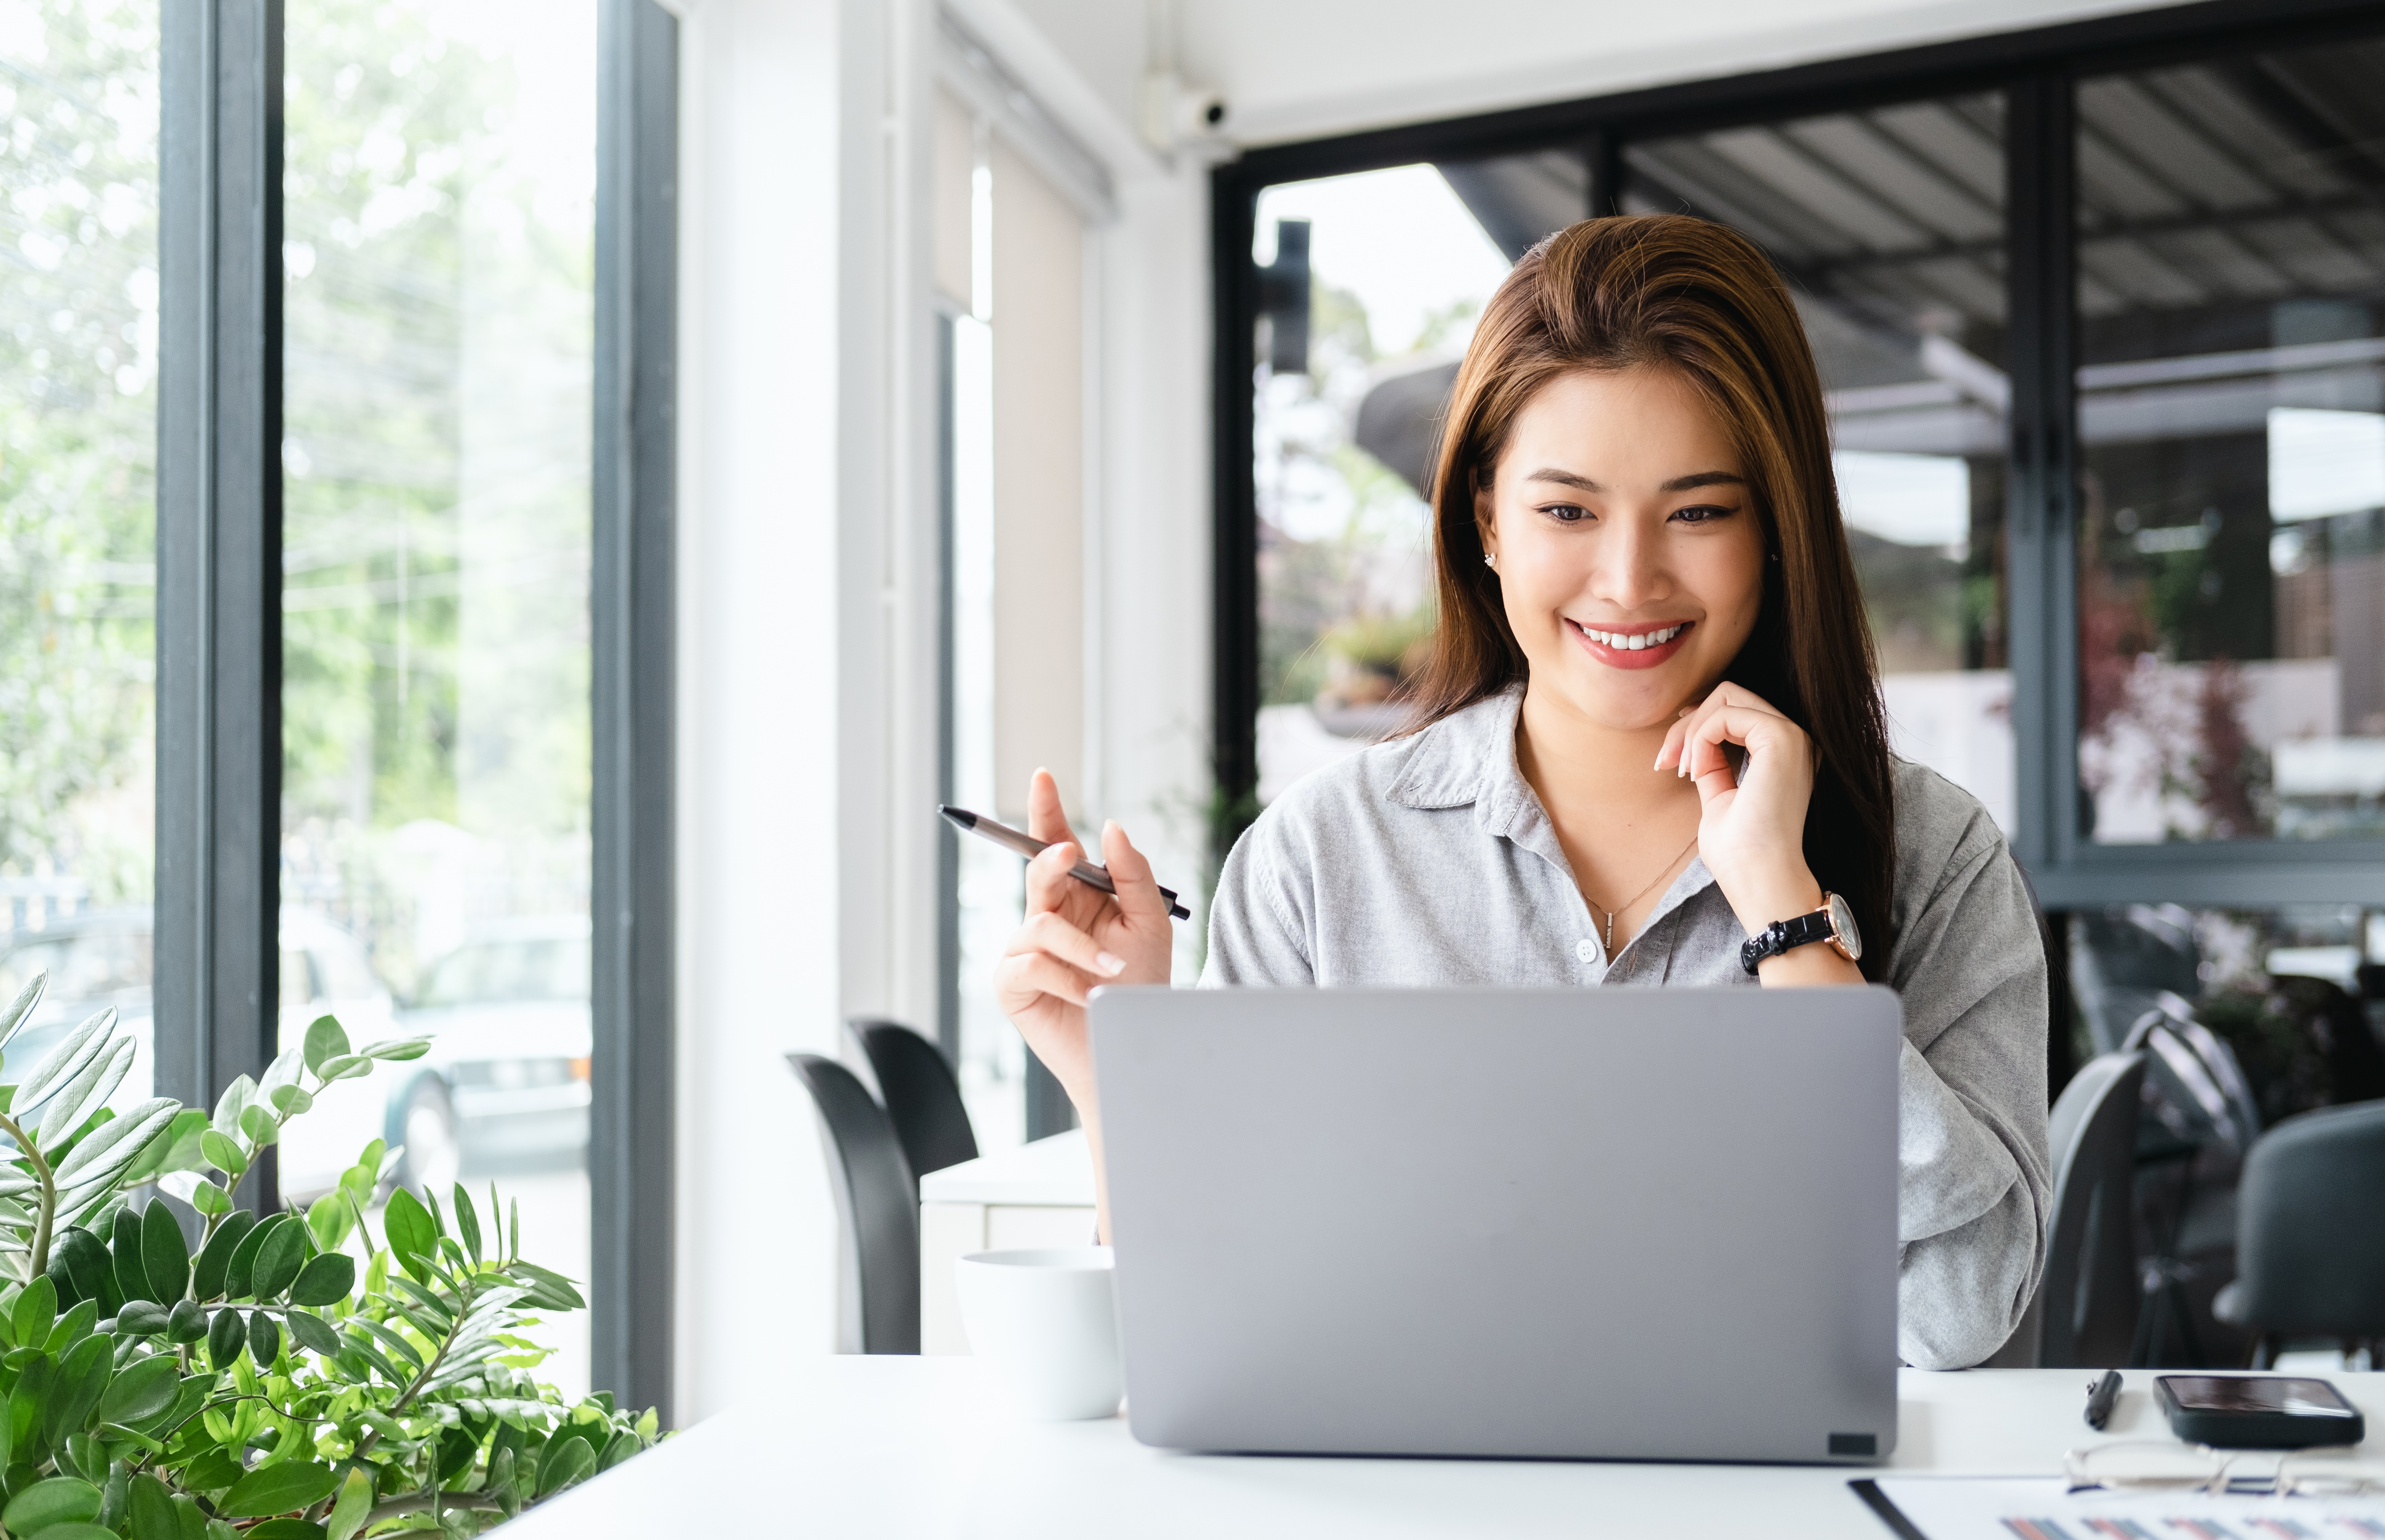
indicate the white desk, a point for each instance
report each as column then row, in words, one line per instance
column 1037, row 1194
column 918, row 1446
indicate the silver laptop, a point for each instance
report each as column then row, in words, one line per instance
column 1613, row 1224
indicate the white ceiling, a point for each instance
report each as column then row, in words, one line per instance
column 1300, row 68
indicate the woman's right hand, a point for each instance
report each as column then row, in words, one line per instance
column 1076, row 938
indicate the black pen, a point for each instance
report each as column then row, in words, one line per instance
column 1029, row 846
column 2101, row 1394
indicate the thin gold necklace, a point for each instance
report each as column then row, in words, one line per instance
column 1641, row 894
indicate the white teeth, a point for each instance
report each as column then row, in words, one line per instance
column 1638, row 642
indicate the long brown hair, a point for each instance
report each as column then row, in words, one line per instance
column 1665, row 291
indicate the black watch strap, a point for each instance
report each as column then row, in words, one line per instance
column 1784, row 936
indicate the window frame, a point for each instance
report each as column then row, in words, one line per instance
column 218, row 635
column 2037, row 69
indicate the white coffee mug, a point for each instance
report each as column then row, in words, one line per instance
column 1047, row 1321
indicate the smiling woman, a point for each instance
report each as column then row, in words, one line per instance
column 1652, row 755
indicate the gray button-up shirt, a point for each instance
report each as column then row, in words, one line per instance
column 1430, row 861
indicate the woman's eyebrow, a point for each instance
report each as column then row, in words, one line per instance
column 1678, row 484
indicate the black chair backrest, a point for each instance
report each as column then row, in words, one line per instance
column 876, row 1202
column 2310, row 1225
column 920, row 1095
column 2087, row 1304
column 2198, row 1095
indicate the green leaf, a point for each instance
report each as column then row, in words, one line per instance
column 324, row 1040
column 187, row 1321
column 84, row 1044
column 59, row 1500
column 548, row 1291
column 27, row 1403
column 165, row 1255
column 214, row 1470
column 177, row 1148
column 284, row 1529
column 239, row 1273
column 313, row 1333
column 349, row 1513
column 567, row 1457
column 411, row 1236
column 234, row 1100
column 341, row 1066
column 132, row 1274
column 88, row 1263
column 36, row 1309
column 468, row 1224
column 623, row 1446
column 264, row 1340
column 397, row 1051
column 141, row 1318
column 85, row 1094
column 288, row 1100
column 329, row 1220
column 328, row 1278
column 77, row 1531
column 83, row 1374
column 117, row 1144
column 258, row 1123
column 22, row 1006
column 276, row 1489
column 209, row 1199
column 151, row 1509
column 224, row 1153
column 214, row 1257
column 146, row 1388
column 73, row 1326
column 278, row 1259
column 227, row 1334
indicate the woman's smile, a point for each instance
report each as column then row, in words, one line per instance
column 1642, row 644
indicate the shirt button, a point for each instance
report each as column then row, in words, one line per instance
column 1586, row 950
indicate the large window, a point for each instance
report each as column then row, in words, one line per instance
column 439, row 190
column 2232, row 380
column 2097, row 312
column 79, row 295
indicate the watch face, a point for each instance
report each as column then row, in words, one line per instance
column 1843, row 921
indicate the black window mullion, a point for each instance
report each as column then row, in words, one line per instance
column 2043, row 599
column 1234, row 686
column 631, row 614
column 219, row 549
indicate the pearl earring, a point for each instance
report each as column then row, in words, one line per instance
column 1489, row 558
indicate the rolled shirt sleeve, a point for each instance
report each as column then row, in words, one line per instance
column 1974, row 1184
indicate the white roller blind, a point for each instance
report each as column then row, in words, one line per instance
column 1038, row 492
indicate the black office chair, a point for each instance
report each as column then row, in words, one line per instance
column 2311, row 1232
column 919, row 1093
column 2085, row 1312
column 877, row 1203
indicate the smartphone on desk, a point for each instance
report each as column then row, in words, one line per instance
column 2258, row 1411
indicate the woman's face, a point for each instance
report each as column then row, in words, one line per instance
column 1631, row 556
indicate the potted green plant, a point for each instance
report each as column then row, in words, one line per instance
column 289, row 1377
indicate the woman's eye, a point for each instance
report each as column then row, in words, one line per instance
column 1701, row 513
column 1566, row 513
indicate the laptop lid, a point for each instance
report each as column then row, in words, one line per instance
column 1622, row 1223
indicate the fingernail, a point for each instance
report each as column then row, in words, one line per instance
column 1110, row 965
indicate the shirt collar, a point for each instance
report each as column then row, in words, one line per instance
column 1468, row 757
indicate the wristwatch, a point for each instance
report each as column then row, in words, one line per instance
column 1833, row 923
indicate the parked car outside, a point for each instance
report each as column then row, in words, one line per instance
column 94, row 960
column 506, row 1013
column 505, row 1084
column 506, row 1081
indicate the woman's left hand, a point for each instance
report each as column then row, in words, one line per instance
column 1752, row 825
